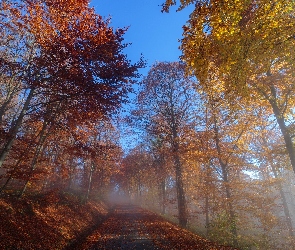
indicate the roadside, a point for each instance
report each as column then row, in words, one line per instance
column 48, row 221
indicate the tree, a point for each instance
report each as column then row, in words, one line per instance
column 227, row 153
column 72, row 57
column 166, row 100
column 159, row 164
column 272, row 157
column 137, row 172
column 251, row 44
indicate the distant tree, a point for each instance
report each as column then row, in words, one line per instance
column 166, row 101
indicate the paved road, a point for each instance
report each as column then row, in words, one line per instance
column 125, row 229
column 130, row 227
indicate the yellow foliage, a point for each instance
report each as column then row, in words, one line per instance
column 240, row 36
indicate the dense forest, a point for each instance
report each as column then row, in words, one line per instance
column 214, row 131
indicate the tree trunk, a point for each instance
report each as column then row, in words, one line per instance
column 207, row 198
column 207, row 214
column 89, row 182
column 21, row 158
column 284, row 200
column 182, row 210
column 14, row 130
column 36, row 155
column 139, row 189
column 10, row 176
column 287, row 137
column 272, row 99
column 71, row 175
column 224, row 169
column 8, row 98
column 163, row 198
column 6, row 183
column 4, row 107
column 285, row 204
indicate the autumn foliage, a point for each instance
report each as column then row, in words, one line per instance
column 214, row 133
column 63, row 74
column 235, row 173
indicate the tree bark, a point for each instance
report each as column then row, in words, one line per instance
column 4, row 107
column 6, row 183
column 181, row 201
column 14, row 130
column 285, row 132
column 182, row 210
column 11, row 175
column 279, row 115
column 11, row 92
column 89, row 181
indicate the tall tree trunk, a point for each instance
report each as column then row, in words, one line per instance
column 14, row 130
column 12, row 90
column 282, row 193
column 36, row 156
column 42, row 137
column 4, row 107
column 285, row 132
column 71, row 173
column 6, row 183
column 15, row 168
column 285, row 204
column 279, row 115
column 207, row 214
column 208, row 175
column 139, row 192
column 89, row 181
column 163, row 196
column 11, row 174
column 182, row 209
column 224, row 169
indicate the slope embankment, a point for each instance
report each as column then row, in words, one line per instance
column 50, row 221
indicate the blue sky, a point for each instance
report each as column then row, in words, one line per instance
column 151, row 32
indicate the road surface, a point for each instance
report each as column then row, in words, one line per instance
column 131, row 227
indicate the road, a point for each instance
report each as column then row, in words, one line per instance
column 131, row 227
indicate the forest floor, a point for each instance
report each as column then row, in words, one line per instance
column 59, row 221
